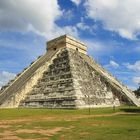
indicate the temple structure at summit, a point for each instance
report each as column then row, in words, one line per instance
column 65, row 77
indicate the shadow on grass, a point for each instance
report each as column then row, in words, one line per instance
column 131, row 110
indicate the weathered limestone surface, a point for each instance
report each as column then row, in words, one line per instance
column 17, row 90
column 66, row 42
column 115, row 84
column 55, row 88
column 66, row 77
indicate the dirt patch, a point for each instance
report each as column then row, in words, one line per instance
column 100, row 123
column 48, row 132
column 4, row 126
column 11, row 135
column 8, row 135
column 29, row 119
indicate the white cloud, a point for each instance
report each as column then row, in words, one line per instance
column 82, row 26
column 121, row 16
column 38, row 16
column 136, row 80
column 5, row 77
column 77, row 2
column 95, row 46
column 70, row 30
column 68, row 14
column 135, row 66
column 113, row 64
column 100, row 47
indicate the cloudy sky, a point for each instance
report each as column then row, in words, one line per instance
column 110, row 28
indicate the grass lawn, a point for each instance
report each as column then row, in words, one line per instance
column 47, row 124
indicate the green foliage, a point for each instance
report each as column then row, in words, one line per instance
column 137, row 92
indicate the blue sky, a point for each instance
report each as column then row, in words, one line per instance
column 110, row 28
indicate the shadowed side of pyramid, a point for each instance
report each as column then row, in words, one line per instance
column 119, row 91
column 66, row 77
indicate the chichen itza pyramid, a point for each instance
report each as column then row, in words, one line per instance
column 65, row 77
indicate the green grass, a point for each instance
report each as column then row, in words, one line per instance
column 17, row 113
column 73, row 124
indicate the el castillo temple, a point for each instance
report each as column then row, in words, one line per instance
column 65, row 77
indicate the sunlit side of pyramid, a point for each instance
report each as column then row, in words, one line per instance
column 66, row 77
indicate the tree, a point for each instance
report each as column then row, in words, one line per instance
column 137, row 92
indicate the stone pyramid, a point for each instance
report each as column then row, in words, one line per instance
column 65, row 77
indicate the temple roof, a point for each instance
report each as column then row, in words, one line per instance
column 66, row 41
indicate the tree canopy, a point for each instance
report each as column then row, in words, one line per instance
column 137, row 92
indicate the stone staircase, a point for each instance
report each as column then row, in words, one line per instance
column 55, row 88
